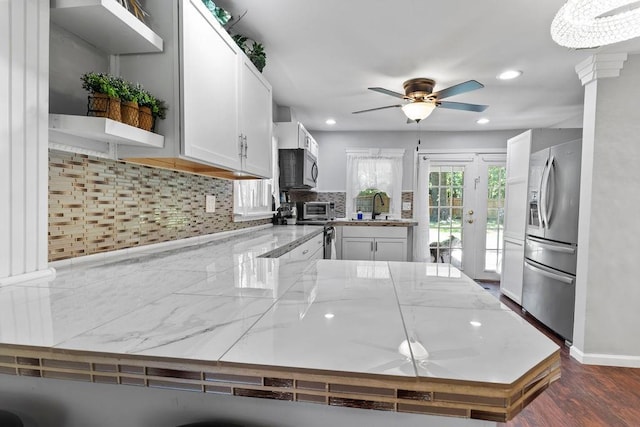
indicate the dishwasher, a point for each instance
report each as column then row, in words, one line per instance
column 329, row 237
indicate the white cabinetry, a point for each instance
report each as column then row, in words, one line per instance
column 309, row 250
column 255, row 120
column 209, row 91
column 294, row 135
column 374, row 243
column 518, row 150
column 219, row 104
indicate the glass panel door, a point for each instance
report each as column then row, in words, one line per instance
column 495, row 218
column 461, row 198
column 446, row 195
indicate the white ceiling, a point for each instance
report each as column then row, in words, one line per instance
column 322, row 56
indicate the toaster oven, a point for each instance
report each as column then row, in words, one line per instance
column 317, row 210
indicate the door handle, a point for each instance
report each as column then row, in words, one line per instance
column 376, row 249
column 372, row 246
column 246, row 146
column 470, row 221
column 544, row 183
column 470, row 212
column 554, row 248
column 551, row 190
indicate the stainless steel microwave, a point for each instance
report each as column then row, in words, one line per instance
column 298, row 168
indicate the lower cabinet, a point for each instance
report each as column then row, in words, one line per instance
column 374, row 243
column 512, row 269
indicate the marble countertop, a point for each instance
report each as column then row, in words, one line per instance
column 222, row 301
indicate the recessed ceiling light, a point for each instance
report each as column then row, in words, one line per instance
column 475, row 323
column 482, row 121
column 509, row 74
column 330, row 122
column 329, row 316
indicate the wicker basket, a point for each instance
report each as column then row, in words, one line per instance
column 101, row 105
column 145, row 119
column 130, row 113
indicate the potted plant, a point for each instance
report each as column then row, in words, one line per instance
column 129, row 98
column 103, row 95
column 145, row 105
column 255, row 51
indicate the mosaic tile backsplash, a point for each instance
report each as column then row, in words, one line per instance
column 99, row 205
column 340, row 199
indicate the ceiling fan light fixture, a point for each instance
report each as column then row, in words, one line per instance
column 418, row 110
column 581, row 24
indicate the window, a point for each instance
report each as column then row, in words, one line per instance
column 370, row 171
column 252, row 197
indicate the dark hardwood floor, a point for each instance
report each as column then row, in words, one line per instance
column 585, row 396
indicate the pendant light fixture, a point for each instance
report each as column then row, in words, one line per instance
column 583, row 24
column 418, row 110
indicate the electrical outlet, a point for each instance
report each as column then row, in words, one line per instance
column 406, row 206
column 210, row 203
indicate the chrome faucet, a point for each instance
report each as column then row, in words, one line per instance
column 373, row 207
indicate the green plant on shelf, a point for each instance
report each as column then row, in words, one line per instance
column 100, row 83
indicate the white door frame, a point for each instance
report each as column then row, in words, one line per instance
column 473, row 259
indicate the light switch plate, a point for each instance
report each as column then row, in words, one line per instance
column 210, row 204
column 406, row 206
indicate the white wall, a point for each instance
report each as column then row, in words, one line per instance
column 608, row 287
column 24, row 100
column 333, row 160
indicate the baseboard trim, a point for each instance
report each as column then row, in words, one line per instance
column 619, row 360
column 47, row 273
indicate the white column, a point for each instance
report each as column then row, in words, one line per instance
column 24, row 104
column 607, row 284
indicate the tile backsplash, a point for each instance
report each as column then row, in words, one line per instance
column 340, row 199
column 99, row 205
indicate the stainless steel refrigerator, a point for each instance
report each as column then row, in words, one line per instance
column 552, row 236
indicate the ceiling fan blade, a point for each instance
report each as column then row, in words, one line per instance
column 388, row 92
column 458, row 89
column 461, row 106
column 374, row 109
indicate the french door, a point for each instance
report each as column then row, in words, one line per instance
column 460, row 201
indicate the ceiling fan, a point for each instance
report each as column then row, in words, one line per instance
column 422, row 99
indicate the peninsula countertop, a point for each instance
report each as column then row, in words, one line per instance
column 222, row 304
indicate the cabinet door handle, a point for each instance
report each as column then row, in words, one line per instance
column 246, row 146
column 241, row 145
column 371, row 246
column 376, row 247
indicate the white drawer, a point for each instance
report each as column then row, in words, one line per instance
column 307, row 249
column 373, row 231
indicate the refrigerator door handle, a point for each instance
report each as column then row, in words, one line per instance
column 551, row 190
column 555, row 276
column 544, row 188
column 555, row 248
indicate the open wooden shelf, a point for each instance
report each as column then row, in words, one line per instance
column 106, row 24
column 104, row 130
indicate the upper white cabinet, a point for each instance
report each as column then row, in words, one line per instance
column 518, row 149
column 294, row 135
column 219, row 104
column 255, row 120
column 209, row 81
